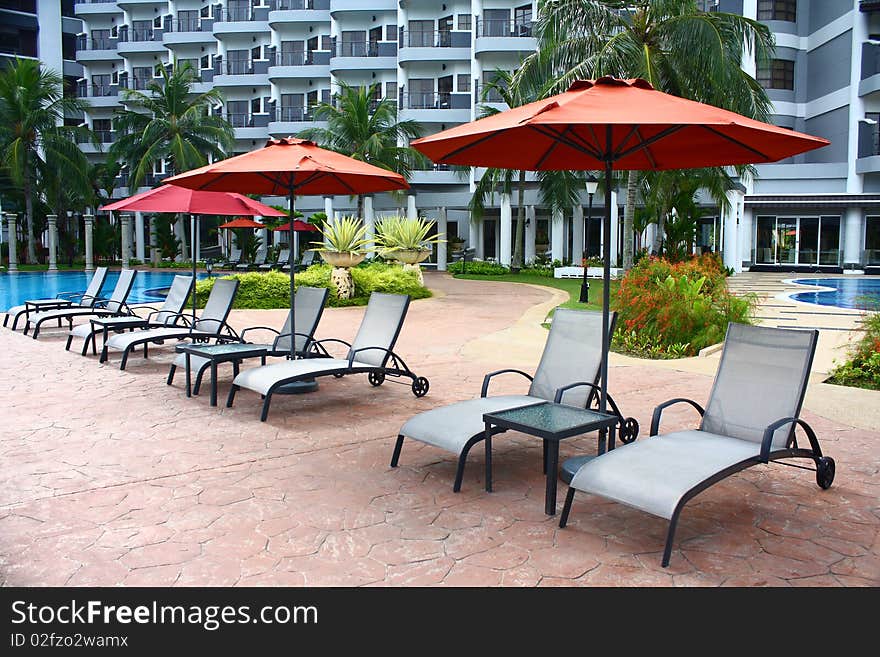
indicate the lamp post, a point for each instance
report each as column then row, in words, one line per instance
column 592, row 186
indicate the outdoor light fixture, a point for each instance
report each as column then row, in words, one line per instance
column 592, row 186
column 209, row 266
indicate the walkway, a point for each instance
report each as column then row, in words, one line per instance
column 110, row 477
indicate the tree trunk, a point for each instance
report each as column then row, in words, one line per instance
column 29, row 217
column 360, row 207
column 520, row 224
column 628, row 216
column 658, row 239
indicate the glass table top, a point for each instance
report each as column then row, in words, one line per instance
column 553, row 418
column 223, row 349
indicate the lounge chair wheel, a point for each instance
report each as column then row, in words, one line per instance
column 376, row 378
column 628, row 431
column 825, row 472
column 338, row 376
column 420, row 387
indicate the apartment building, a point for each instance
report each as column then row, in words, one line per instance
column 275, row 59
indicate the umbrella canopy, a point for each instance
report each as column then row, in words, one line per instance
column 242, row 222
column 298, row 226
column 610, row 124
column 292, row 164
column 289, row 167
column 171, row 198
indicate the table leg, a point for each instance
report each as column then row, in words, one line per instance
column 552, row 476
column 602, row 441
column 488, row 449
column 188, row 376
column 544, row 456
column 213, row 382
column 612, row 436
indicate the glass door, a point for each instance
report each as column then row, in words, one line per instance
column 829, row 241
column 872, row 240
column 765, row 241
column 786, row 240
column 808, row 241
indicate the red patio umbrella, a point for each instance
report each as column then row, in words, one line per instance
column 298, row 227
column 291, row 166
column 171, row 198
column 613, row 124
column 242, row 222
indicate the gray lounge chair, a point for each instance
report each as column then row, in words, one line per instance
column 371, row 353
column 101, row 307
column 167, row 315
column 308, row 305
column 280, row 259
column 84, row 299
column 210, row 325
column 250, row 266
column 750, row 419
column 568, row 373
column 309, row 258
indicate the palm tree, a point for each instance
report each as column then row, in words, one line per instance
column 170, row 122
column 367, row 129
column 32, row 133
column 671, row 43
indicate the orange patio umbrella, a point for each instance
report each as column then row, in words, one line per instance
column 242, row 222
column 611, row 124
column 291, row 167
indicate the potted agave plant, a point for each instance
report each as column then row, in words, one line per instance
column 407, row 241
column 343, row 248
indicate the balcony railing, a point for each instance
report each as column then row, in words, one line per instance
column 140, row 84
column 241, row 14
column 493, row 95
column 101, row 43
column 187, row 25
column 503, row 28
column 427, row 100
column 294, row 5
column 243, row 67
column 427, row 39
column 294, row 113
column 139, row 35
column 869, row 135
column 96, row 90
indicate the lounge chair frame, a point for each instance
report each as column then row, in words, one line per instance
column 65, row 300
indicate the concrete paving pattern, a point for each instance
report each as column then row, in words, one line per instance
column 114, row 478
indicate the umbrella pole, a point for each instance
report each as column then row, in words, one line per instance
column 606, row 290
column 192, row 247
column 290, row 260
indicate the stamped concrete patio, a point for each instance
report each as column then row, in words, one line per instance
column 114, row 478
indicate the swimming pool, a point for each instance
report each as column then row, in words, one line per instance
column 15, row 289
column 844, row 292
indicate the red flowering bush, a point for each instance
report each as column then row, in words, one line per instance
column 670, row 309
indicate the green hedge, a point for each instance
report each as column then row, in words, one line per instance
column 862, row 368
column 478, row 268
column 272, row 289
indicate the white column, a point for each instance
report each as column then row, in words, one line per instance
column 154, row 241
column 731, row 228
column 557, row 236
column 852, row 238
column 441, row 246
column 614, row 229
column 264, row 242
column 180, row 233
column 746, row 232
column 49, row 37
column 328, row 210
column 370, row 219
column 139, row 236
column 474, row 237
column 53, row 241
column 505, row 231
column 411, row 211
column 11, row 221
column 530, row 232
column 89, row 221
column 126, row 239
column 577, row 233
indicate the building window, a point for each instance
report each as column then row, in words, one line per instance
column 464, row 82
column 872, row 240
column 778, row 74
column 777, row 10
column 464, row 22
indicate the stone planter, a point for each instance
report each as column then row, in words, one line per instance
column 410, row 258
column 340, row 277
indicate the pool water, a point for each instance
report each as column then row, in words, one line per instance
column 15, row 289
column 857, row 293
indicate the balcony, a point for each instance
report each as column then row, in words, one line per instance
column 96, row 7
column 96, row 50
column 869, row 144
column 870, row 78
column 504, row 36
column 360, row 5
column 248, row 126
column 103, row 137
column 242, row 73
column 364, row 56
column 188, row 30
column 437, row 174
column 421, row 45
column 308, row 65
column 292, row 120
column 132, row 41
column 434, row 107
column 869, row 6
column 299, row 11
column 245, row 20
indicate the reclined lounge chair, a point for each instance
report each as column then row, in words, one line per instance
column 62, row 299
column 572, row 353
column 308, row 305
column 211, row 325
column 371, row 353
column 750, row 419
column 167, row 315
column 282, row 257
column 101, row 307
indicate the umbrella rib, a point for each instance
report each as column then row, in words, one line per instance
column 651, row 160
column 647, row 142
column 737, row 142
column 552, row 148
column 547, row 132
column 462, row 149
column 633, row 131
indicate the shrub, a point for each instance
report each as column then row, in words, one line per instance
column 676, row 309
column 862, row 369
column 478, row 267
column 272, row 289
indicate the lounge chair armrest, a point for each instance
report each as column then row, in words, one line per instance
column 355, row 352
column 485, row 389
column 258, row 328
column 318, row 345
column 68, row 295
column 175, row 317
column 658, row 411
column 767, row 440
column 287, row 335
column 557, row 398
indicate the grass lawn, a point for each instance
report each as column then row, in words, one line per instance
column 570, row 285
